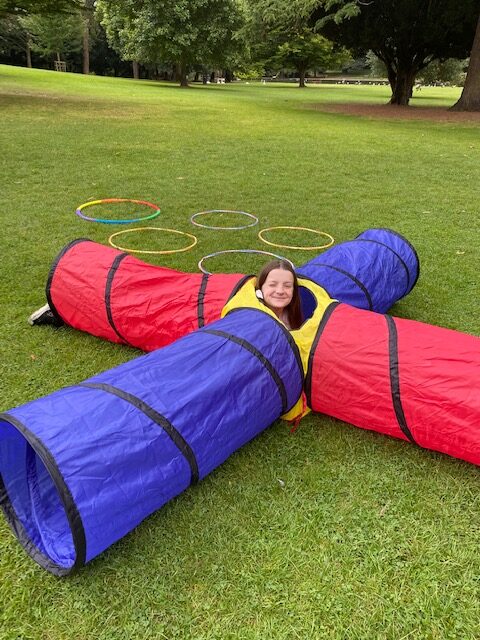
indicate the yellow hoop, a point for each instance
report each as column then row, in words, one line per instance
column 287, row 246
column 181, row 233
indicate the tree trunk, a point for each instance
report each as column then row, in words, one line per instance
column 136, row 70
column 87, row 11
column 391, row 73
column 86, row 44
column 182, row 74
column 301, row 80
column 470, row 98
column 28, row 52
column 402, row 91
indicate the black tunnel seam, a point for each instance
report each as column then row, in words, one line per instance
column 395, row 378
column 108, row 294
column 201, row 300
column 401, row 260
column 282, row 327
column 407, row 242
column 176, row 437
column 259, row 355
column 352, row 277
column 19, row 531
column 321, row 327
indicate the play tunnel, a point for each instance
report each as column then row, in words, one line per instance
column 115, row 296
column 373, row 271
column 82, row 467
column 399, row 377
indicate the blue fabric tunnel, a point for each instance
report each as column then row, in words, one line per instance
column 82, row 467
column 371, row 272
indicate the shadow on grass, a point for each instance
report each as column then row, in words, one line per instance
column 166, row 84
column 391, row 112
column 41, row 104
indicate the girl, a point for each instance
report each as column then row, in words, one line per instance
column 277, row 286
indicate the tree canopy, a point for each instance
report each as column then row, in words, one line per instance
column 53, row 35
column 405, row 34
column 38, row 6
column 307, row 50
column 180, row 32
column 255, row 35
column 281, row 37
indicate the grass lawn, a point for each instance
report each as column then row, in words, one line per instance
column 333, row 532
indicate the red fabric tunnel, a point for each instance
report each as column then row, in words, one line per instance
column 115, row 296
column 399, row 377
column 98, row 289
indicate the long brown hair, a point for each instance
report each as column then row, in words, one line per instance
column 294, row 308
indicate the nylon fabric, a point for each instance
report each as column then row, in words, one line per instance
column 118, row 297
column 115, row 460
column 421, row 386
column 126, row 300
column 371, row 272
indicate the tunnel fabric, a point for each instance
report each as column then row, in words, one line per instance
column 373, row 271
column 118, row 297
column 80, row 468
column 138, row 435
column 399, row 377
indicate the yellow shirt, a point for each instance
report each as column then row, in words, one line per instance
column 303, row 337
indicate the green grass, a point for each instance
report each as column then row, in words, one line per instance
column 365, row 537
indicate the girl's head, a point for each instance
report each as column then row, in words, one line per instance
column 279, row 286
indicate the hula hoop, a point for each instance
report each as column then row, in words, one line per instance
column 111, row 221
column 287, row 246
column 207, row 226
column 181, row 233
column 217, row 253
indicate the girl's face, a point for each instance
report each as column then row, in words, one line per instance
column 278, row 289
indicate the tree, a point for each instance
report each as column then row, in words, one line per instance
column 54, row 8
column 179, row 32
column 87, row 20
column 405, row 34
column 470, row 98
column 54, row 34
column 450, row 71
column 305, row 51
column 282, row 36
column 22, row 7
column 14, row 39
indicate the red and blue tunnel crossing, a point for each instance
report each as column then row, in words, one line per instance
column 81, row 467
